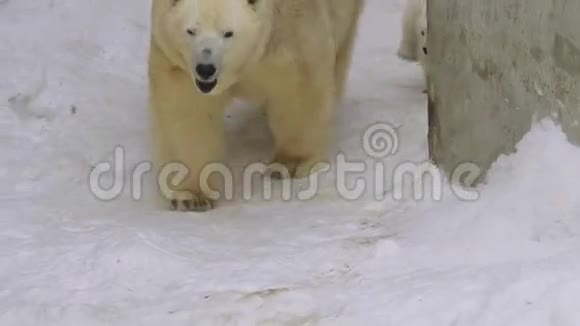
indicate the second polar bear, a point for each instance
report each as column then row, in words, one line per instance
column 413, row 45
column 289, row 56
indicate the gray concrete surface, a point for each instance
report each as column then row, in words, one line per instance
column 498, row 64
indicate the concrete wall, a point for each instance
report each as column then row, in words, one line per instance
column 495, row 64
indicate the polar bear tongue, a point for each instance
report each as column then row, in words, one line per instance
column 206, row 87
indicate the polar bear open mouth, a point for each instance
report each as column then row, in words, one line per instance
column 206, row 86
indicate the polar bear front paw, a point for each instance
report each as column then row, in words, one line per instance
column 192, row 203
column 287, row 166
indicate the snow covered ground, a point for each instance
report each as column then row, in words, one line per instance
column 73, row 88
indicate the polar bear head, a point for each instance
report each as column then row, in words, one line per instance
column 213, row 40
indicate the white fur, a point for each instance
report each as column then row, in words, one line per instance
column 413, row 45
column 291, row 56
column 421, row 31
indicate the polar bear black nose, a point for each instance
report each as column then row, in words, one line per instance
column 205, row 71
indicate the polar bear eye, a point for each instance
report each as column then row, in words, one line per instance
column 191, row 31
column 228, row 34
column 252, row 2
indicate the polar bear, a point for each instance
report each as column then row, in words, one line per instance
column 413, row 44
column 421, row 32
column 291, row 57
column 409, row 46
